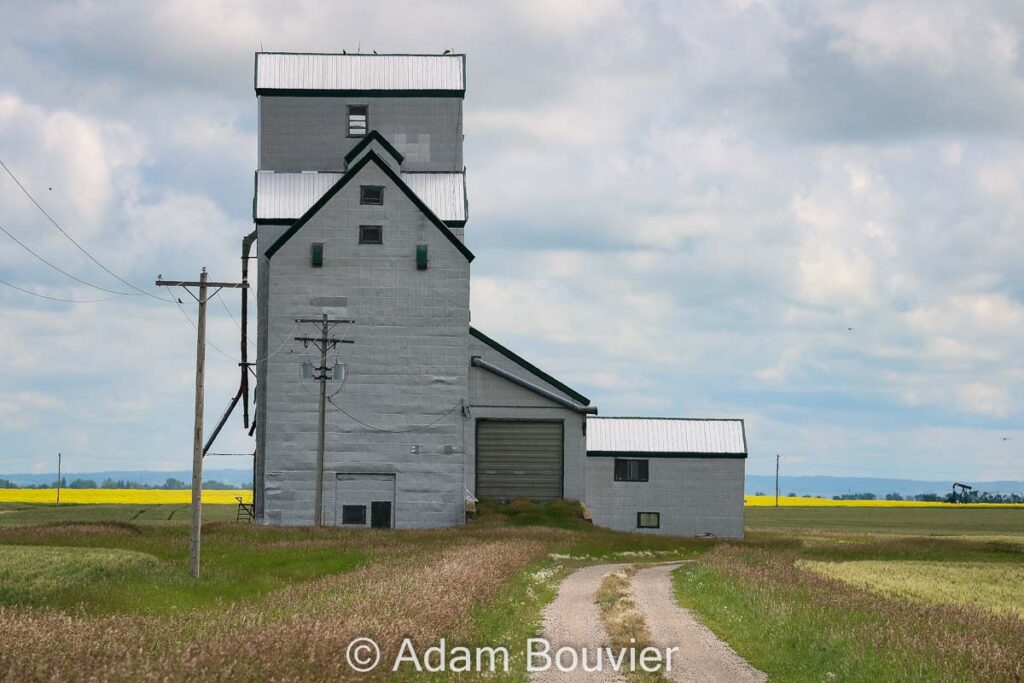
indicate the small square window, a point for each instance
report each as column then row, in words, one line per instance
column 371, row 194
column 371, row 234
column 631, row 470
column 353, row 514
column 648, row 520
column 358, row 120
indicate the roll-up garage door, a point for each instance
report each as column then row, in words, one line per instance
column 518, row 459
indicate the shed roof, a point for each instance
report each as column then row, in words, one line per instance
column 666, row 436
column 322, row 72
column 286, row 196
column 370, row 157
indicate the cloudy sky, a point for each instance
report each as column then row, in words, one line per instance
column 677, row 208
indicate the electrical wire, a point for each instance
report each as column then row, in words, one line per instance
column 395, row 431
column 54, row 298
column 72, row 239
column 196, row 328
column 280, row 348
column 61, row 270
column 227, row 310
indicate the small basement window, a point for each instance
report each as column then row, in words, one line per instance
column 631, row 470
column 371, row 234
column 358, row 120
column 648, row 520
column 371, row 194
column 353, row 514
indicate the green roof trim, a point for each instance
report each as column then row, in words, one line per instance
column 344, row 180
column 663, row 454
column 526, row 365
column 373, row 136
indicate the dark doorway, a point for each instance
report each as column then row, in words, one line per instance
column 380, row 514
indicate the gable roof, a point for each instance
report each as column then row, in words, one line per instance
column 526, row 365
column 373, row 136
column 371, row 156
column 666, row 437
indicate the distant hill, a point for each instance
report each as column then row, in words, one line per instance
column 228, row 476
column 826, row 487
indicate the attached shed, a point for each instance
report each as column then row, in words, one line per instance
column 526, row 436
column 670, row 476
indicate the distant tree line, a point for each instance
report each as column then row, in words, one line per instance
column 171, row 484
column 969, row 497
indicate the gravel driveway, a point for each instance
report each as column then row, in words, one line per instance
column 573, row 619
column 702, row 656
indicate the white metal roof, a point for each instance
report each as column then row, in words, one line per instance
column 287, row 71
column 664, row 435
column 289, row 195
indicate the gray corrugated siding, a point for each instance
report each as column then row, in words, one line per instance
column 519, row 459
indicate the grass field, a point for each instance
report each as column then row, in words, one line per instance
column 995, row 586
column 865, row 594
column 800, row 501
column 102, row 592
column 274, row 602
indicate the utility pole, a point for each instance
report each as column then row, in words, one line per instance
column 58, row 478
column 325, row 324
column 197, row 435
column 776, row 480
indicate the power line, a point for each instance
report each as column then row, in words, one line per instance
column 61, row 270
column 196, row 327
column 54, row 298
column 228, row 311
column 72, row 239
column 394, row 431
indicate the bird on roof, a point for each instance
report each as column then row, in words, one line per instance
column 374, row 52
column 1005, row 438
column 447, row 51
column 849, row 329
column 343, row 52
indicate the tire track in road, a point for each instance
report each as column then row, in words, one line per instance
column 702, row 656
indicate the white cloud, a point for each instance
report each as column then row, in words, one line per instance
column 677, row 209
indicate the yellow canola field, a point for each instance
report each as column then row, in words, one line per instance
column 797, row 501
column 122, row 496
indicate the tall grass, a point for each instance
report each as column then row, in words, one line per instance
column 799, row 626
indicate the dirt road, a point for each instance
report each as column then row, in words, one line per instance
column 574, row 620
column 702, row 655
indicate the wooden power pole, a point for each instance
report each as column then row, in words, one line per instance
column 322, row 342
column 58, row 478
column 197, row 436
